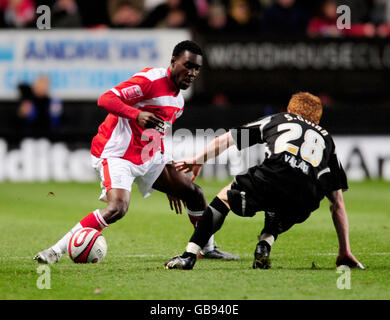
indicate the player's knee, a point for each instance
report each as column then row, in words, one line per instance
column 115, row 210
column 194, row 196
column 198, row 192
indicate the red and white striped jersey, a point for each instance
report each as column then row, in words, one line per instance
column 148, row 90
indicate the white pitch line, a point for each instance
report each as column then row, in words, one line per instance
column 245, row 255
column 115, row 256
column 143, row 256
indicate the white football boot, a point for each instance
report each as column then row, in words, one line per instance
column 48, row 256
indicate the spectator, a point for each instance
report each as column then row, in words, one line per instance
column 172, row 14
column 202, row 8
column 17, row 13
column 378, row 12
column 380, row 16
column 325, row 24
column 284, row 18
column 65, row 14
column 126, row 15
column 38, row 113
column 242, row 14
column 94, row 13
column 217, row 21
column 217, row 18
column 361, row 26
column 151, row 4
column 360, row 10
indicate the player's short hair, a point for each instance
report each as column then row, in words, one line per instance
column 307, row 105
column 187, row 45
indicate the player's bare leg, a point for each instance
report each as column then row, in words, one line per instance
column 118, row 201
column 117, row 205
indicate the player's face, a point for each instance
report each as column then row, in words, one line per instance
column 185, row 68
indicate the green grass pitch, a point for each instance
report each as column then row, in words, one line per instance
column 34, row 216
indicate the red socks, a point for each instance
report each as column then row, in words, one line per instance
column 94, row 220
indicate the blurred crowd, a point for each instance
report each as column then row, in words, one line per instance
column 369, row 18
column 39, row 113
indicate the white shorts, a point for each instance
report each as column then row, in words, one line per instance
column 117, row 173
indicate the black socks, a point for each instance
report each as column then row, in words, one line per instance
column 211, row 221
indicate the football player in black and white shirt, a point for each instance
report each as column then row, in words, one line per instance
column 300, row 169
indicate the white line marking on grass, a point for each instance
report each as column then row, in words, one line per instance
column 243, row 255
column 114, row 256
column 143, row 256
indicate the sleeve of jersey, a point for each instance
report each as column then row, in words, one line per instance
column 250, row 134
column 121, row 99
column 334, row 177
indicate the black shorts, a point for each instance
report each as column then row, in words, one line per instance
column 245, row 199
column 249, row 195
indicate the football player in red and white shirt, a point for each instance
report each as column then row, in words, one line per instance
column 129, row 147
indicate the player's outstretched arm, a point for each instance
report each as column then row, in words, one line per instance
column 340, row 221
column 112, row 103
column 212, row 150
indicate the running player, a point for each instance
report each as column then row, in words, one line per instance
column 300, row 169
column 129, row 147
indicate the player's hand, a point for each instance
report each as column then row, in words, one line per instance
column 175, row 203
column 348, row 259
column 188, row 166
column 149, row 120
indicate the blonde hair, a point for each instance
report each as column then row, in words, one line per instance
column 307, row 105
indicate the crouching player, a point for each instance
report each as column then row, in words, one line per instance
column 300, row 169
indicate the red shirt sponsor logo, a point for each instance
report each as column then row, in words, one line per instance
column 132, row 92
